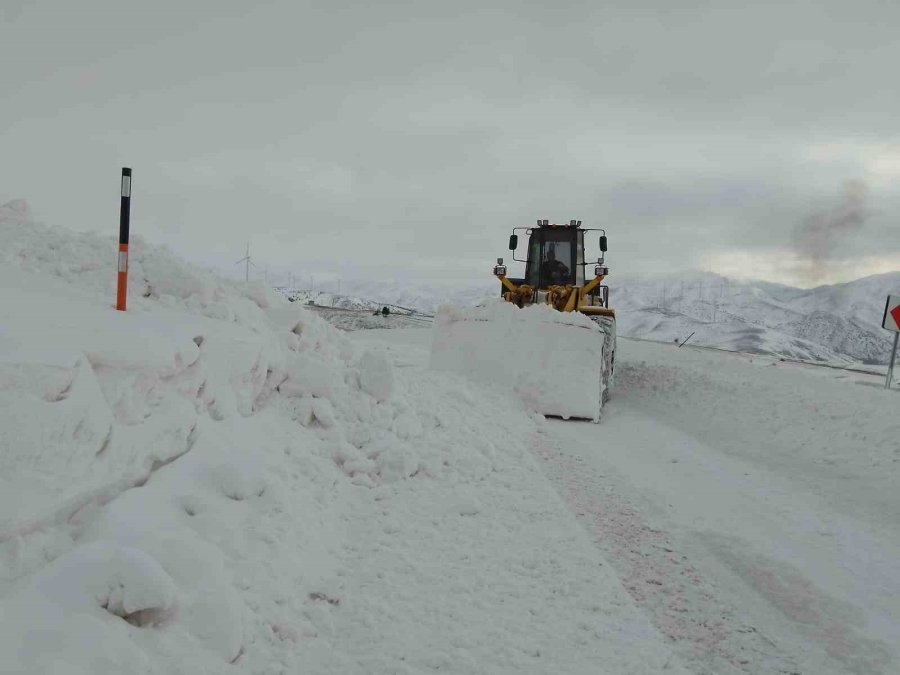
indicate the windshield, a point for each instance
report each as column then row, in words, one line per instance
column 554, row 251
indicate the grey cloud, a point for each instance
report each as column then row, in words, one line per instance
column 423, row 131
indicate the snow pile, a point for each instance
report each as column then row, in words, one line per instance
column 219, row 479
column 82, row 259
column 261, row 403
column 550, row 360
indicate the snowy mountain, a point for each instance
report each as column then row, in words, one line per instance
column 830, row 323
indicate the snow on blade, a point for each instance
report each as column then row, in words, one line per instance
column 551, row 361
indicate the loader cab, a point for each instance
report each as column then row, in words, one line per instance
column 555, row 256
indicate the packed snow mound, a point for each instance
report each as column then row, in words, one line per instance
column 230, row 350
column 94, row 402
column 184, row 486
column 551, row 361
column 78, row 603
column 123, row 581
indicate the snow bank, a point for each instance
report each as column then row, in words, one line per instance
column 269, row 409
column 551, row 361
column 82, row 261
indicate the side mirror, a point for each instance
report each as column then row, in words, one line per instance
column 513, row 242
column 603, row 243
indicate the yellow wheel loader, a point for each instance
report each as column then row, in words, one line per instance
column 556, row 326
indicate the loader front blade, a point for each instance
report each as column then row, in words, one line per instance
column 551, row 361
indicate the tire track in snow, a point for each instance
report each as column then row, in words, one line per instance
column 681, row 601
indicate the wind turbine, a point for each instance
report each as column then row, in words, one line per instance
column 246, row 259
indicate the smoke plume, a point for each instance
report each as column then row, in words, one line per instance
column 818, row 236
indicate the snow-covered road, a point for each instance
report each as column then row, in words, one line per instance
column 747, row 505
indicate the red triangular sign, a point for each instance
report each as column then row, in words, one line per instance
column 896, row 314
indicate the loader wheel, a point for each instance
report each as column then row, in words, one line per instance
column 608, row 326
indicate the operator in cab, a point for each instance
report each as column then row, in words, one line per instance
column 553, row 271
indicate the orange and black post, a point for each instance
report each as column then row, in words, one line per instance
column 124, row 222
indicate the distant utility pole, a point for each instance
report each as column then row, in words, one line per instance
column 246, row 259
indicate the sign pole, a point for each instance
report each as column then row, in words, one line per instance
column 890, row 372
column 124, row 222
column 891, row 321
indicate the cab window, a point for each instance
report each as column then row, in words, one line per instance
column 550, row 259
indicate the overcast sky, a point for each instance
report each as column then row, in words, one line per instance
column 406, row 138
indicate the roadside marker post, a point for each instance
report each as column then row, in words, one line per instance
column 124, row 224
column 891, row 321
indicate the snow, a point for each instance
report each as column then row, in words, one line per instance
column 835, row 324
column 747, row 504
column 217, row 479
column 376, row 377
column 551, row 361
